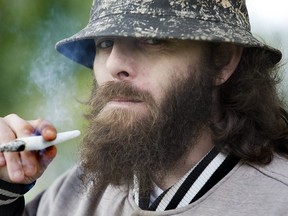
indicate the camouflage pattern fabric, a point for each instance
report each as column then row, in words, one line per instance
column 202, row 20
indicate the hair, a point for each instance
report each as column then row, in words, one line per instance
column 252, row 123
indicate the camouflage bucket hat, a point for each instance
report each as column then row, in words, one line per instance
column 209, row 20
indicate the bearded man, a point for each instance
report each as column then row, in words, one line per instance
column 184, row 118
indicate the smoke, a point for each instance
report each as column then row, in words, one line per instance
column 52, row 75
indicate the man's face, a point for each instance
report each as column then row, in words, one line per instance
column 147, row 64
column 151, row 100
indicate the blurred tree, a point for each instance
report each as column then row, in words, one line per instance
column 22, row 27
column 29, row 66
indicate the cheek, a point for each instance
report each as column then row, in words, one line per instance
column 164, row 82
column 99, row 77
column 99, row 73
column 158, row 88
column 99, row 65
column 156, row 81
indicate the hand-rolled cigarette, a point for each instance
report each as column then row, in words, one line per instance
column 34, row 143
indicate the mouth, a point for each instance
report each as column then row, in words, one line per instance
column 123, row 102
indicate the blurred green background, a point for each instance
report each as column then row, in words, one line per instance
column 35, row 81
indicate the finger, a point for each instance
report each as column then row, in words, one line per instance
column 29, row 163
column 26, row 167
column 44, row 128
column 47, row 155
column 7, row 173
column 2, row 160
column 14, row 167
column 6, row 132
column 34, row 163
column 20, row 127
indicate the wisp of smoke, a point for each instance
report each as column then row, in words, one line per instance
column 53, row 75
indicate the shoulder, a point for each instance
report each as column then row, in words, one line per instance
column 276, row 170
column 69, row 179
column 63, row 189
column 68, row 196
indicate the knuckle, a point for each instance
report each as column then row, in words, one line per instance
column 26, row 128
column 11, row 116
column 40, row 121
column 6, row 135
column 42, row 124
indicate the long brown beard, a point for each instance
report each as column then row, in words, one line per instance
column 121, row 144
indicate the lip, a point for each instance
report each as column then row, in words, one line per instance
column 123, row 102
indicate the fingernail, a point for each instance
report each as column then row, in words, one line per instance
column 49, row 134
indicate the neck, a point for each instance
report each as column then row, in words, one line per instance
column 189, row 160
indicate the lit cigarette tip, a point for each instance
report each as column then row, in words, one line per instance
column 35, row 143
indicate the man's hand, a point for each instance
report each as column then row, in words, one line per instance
column 25, row 167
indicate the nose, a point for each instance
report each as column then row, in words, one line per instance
column 120, row 63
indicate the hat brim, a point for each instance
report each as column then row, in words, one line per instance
column 81, row 48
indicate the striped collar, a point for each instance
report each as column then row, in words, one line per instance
column 202, row 177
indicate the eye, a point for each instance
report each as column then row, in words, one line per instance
column 104, row 43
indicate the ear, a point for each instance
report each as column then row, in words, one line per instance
column 234, row 55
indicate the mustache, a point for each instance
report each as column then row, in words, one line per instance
column 111, row 90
